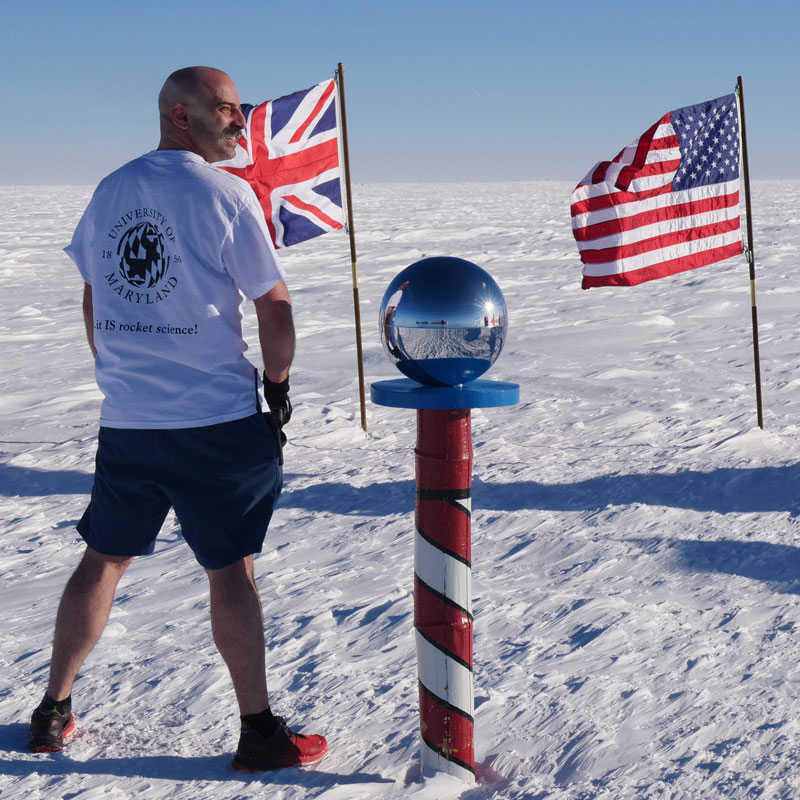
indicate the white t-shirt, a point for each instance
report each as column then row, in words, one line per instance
column 169, row 243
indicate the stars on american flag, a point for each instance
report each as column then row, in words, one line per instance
column 708, row 137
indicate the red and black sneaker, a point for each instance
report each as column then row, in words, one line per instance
column 48, row 729
column 283, row 748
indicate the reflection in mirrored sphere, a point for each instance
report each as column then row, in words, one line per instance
column 443, row 321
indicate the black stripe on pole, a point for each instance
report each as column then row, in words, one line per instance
column 444, row 598
column 445, row 704
column 444, row 651
column 441, row 548
column 449, row 496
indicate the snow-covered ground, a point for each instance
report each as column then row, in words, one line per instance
column 635, row 535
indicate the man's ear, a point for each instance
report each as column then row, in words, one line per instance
column 179, row 116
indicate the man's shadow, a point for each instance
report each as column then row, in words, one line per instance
column 30, row 482
column 172, row 768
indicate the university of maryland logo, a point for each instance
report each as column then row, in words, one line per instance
column 142, row 238
column 141, row 256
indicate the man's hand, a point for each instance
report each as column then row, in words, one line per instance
column 277, row 397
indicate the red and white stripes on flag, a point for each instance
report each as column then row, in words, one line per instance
column 669, row 202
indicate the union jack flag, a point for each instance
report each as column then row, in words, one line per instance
column 668, row 202
column 289, row 154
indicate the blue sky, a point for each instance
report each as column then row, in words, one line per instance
column 447, row 90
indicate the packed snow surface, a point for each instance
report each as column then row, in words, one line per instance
column 636, row 548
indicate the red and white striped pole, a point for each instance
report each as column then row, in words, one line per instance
column 443, row 591
column 442, row 362
column 443, row 561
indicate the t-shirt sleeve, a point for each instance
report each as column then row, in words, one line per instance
column 78, row 248
column 248, row 253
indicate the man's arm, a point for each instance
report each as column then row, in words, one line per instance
column 88, row 316
column 276, row 331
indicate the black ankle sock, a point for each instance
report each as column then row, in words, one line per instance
column 263, row 722
column 63, row 707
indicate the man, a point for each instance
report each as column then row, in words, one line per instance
column 166, row 247
column 389, row 333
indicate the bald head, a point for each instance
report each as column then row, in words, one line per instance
column 199, row 111
column 187, row 84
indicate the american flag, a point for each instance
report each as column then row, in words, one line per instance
column 669, row 202
column 289, row 154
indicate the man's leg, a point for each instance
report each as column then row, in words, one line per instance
column 265, row 741
column 82, row 616
column 238, row 628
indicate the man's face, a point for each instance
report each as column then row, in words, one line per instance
column 215, row 119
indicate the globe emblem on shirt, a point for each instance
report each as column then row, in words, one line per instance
column 141, row 256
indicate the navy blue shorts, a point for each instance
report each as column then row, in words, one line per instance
column 222, row 480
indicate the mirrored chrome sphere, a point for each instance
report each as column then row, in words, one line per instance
column 443, row 321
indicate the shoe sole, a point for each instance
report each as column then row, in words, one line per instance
column 244, row 767
column 54, row 748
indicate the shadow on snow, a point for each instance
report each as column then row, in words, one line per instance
column 775, row 564
column 723, row 490
column 164, row 767
column 29, row 482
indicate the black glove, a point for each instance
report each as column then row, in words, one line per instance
column 277, row 397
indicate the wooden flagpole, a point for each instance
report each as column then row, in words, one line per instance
column 749, row 253
column 353, row 260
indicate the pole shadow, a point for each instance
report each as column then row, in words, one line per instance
column 724, row 490
column 777, row 565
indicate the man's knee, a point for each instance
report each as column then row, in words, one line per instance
column 96, row 557
column 96, row 566
column 234, row 575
